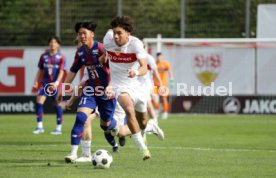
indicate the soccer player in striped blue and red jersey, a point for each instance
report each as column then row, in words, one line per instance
column 51, row 70
column 88, row 55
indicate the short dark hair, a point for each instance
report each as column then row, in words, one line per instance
column 56, row 38
column 158, row 54
column 122, row 21
column 87, row 24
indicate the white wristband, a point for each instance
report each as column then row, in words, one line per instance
column 136, row 72
column 56, row 83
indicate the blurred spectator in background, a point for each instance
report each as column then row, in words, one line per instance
column 50, row 70
column 164, row 69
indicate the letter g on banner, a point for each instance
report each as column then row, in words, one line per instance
column 17, row 72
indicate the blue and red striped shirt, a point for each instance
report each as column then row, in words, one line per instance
column 51, row 66
column 99, row 75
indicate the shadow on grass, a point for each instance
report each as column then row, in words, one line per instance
column 24, row 163
column 32, row 162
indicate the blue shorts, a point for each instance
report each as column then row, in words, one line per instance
column 43, row 92
column 106, row 107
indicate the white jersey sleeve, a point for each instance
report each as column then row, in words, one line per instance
column 108, row 37
column 140, row 50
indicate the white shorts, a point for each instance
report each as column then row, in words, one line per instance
column 119, row 114
column 148, row 87
column 138, row 96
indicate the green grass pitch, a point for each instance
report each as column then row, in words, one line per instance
column 194, row 146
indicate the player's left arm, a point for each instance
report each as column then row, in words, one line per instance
column 141, row 56
column 60, row 73
column 103, row 58
column 102, row 54
column 75, row 95
column 142, row 70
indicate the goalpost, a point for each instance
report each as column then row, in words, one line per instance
column 248, row 64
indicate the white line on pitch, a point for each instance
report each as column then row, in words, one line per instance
column 196, row 148
column 215, row 149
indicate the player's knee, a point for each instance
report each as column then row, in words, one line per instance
column 87, row 125
column 81, row 118
column 105, row 124
column 108, row 125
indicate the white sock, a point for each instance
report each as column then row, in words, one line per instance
column 59, row 127
column 155, row 120
column 74, row 149
column 148, row 127
column 40, row 124
column 86, row 147
column 139, row 141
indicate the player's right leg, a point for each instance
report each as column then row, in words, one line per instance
column 85, row 108
column 86, row 140
column 59, row 118
column 106, row 110
column 127, row 104
column 39, row 112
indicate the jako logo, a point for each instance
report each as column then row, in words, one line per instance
column 263, row 106
column 17, row 107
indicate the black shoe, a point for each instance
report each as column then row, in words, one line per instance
column 122, row 141
column 115, row 149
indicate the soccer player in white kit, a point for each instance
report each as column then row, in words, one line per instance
column 127, row 60
column 147, row 81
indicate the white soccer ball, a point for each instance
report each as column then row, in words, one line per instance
column 102, row 159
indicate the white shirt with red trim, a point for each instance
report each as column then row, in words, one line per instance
column 122, row 58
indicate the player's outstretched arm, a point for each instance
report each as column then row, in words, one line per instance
column 103, row 58
column 70, row 77
column 75, row 95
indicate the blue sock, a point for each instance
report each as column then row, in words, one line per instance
column 59, row 113
column 39, row 112
column 111, row 126
column 77, row 131
column 110, row 139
